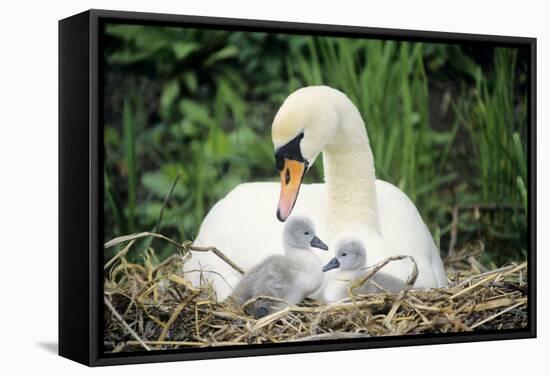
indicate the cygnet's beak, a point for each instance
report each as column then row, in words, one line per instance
column 332, row 264
column 292, row 174
column 318, row 243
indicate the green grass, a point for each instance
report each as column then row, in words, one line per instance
column 497, row 126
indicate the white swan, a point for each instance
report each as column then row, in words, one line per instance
column 352, row 203
column 291, row 277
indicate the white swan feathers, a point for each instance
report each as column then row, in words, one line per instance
column 246, row 224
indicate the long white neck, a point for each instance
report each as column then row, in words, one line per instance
column 349, row 174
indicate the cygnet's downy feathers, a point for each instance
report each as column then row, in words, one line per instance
column 291, row 277
column 351, row 259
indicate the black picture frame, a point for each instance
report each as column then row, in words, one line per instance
column 80, row 182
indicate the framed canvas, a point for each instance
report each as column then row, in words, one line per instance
column 234, row 187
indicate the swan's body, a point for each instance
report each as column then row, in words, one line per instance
column 290, row 277
column 351, row 203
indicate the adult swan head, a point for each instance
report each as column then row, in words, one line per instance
column 319, row 119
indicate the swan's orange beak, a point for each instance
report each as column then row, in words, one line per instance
column 292, row 174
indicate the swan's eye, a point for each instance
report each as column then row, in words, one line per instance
column 306, row 233
column 344, row 254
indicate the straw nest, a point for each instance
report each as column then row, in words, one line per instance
column 151, row 306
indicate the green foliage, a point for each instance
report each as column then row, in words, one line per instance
column 497, row 124
column 198, row 104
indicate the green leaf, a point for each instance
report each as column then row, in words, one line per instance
column 195, row 111
column 183, row 49
column 523, row 192
column 218, row 143
column 190, row 81
column 169, row 93
column 225, row 53
column 520, row 155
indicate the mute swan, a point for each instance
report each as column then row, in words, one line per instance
column 313, row 120
column 291, row 277
column 351, row 259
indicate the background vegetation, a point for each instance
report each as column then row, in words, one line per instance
column 447, row 124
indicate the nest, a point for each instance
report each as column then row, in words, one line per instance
column 151, row 306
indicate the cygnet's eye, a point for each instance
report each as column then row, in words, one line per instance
column 344, row 254
column 306, row 233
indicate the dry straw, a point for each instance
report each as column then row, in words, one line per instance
column 151, row 306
